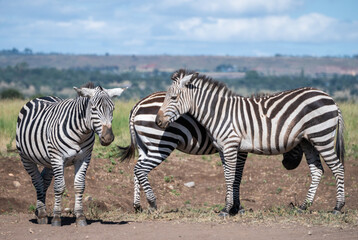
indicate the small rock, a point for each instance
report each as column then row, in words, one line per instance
column 16, row 184
column 189, row 184
column 171, row 187
column 309, row 232
column 67, row 210
column 11, row 175
column 88, row 198
column 31, row 231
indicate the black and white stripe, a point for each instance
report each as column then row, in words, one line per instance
column 271, row 124
column 56, row 133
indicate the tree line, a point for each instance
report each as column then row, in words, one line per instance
column 143, row 83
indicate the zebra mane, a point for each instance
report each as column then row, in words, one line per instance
column 89, row 85
column 262, row 95
column 203, row 78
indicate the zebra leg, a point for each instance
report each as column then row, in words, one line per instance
column 314, row 163
column 38, row 182
column 47, row 175
column 136, row 200
column 141, row 171
column 79, row 187
column 230, row 168
column 241, row 158
column 59, row 188
column 331, row 159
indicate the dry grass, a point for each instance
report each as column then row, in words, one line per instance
column 276, row 214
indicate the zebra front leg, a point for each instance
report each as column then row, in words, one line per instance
column 230, row 168
column 241, row 159
column 79, row 187
column 59, row 188
column 141, row 172
column 37, row 181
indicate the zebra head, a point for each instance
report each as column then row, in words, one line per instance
column 177, row 99
column 99, row 113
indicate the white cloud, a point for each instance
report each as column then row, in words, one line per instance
column 312, row 27
column 234, row 6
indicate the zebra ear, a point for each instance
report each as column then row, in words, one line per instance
column 185, row 80
column 115, row 92
column 84, row 92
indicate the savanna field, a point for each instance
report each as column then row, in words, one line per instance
column 268, row 191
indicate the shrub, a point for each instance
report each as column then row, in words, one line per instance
column 11, row 94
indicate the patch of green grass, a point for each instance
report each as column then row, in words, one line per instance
column 32, row 208
column 175, row 192
column 169, row 179
column 207, row 158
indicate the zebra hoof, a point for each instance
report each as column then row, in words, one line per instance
column 336, row 212
column 42, row 220
column 223, row 214
column 138, row 208
column 242, row 211
column 152, row 210
column 56, row 221
column 153, row 205
column 81, row 221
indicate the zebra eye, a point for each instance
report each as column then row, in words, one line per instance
column 174, row 97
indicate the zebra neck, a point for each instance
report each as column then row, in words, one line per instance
column 83, row 114
column 210, row 103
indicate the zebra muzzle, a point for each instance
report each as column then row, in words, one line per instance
column 161, row 120
column 107, row 136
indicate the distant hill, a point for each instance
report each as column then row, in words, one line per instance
column 280, row 65
column 56, row 74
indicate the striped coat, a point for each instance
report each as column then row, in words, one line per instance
column 271, row 124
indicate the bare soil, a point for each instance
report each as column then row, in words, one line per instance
column 109, row 188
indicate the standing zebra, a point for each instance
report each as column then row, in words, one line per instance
column 155, row 144
column 263, row 125
column 56, row 133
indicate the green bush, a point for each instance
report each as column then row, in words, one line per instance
column 11, row 94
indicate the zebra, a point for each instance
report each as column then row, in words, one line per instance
column 57, row 133
column 268, row 125
column 155, row 144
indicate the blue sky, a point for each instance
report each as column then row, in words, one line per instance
column 182, row 27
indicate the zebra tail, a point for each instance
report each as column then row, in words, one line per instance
column 340, row 151
column 128, row 152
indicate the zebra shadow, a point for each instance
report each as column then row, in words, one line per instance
column 66, row 221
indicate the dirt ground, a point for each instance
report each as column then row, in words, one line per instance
column 109, row 187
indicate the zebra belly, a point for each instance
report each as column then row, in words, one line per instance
column 266, row 149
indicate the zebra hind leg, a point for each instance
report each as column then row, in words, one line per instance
column 38, row 182
column 141, row 171
column 314, row 163
column 337, row 168
column 136, row 199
